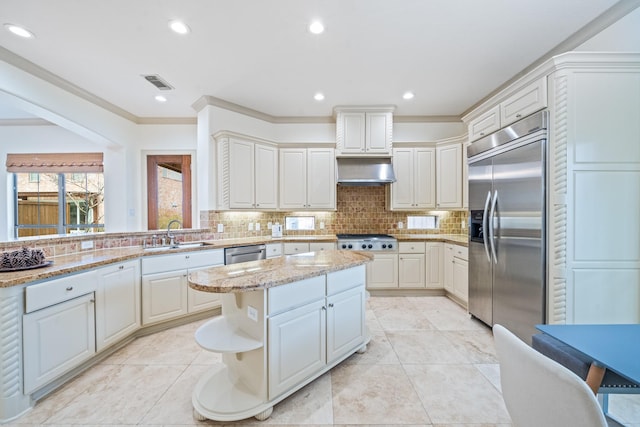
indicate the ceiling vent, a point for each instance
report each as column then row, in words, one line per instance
column 158, row 82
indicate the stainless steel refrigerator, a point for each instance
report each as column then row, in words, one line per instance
column 507, row 258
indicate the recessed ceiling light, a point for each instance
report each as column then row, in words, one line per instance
column 408, row 95
column 316, row 27
column 19, row 31
column 161, row 98
column 179, row 27
column 318, row 96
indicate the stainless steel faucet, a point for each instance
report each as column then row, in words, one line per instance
column 172, row 238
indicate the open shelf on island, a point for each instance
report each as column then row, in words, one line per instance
column 220, row 336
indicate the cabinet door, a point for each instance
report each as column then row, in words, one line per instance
column 411, row 271
column 448, row 268
column 461, row 279
column 345, row 322
column 485, row 124
column 266, row 177
column 433, row 265
column 241, row 174
column 164, row 296
column 117, row 302
column 378, row 133
column 449, row 170
column 57, row 339
column 200, row 300
column 524, row 102
column 321, row 246
column 353, row 133
column 402, row 191
column 293, row 178
column 274, row 250
column 297, row 346
column 425, row 177
column 382, row 272
column 321, row 178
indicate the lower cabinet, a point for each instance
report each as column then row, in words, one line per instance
column 382, row 272
column 117, row 302
column 165, row 287
column 433, row 265
column 305, row 339
column 56, row 339
column 411, row 265
column 456, row 271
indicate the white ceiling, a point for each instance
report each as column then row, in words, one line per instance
column 259, row 54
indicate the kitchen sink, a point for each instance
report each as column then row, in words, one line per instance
column 187, row 245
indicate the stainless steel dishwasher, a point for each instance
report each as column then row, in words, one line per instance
column 239, row 254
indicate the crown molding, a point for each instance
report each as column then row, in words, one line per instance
column 167, row 121
column 25, row 122
column 427, row 119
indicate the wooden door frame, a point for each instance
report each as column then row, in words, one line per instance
column 152, row 187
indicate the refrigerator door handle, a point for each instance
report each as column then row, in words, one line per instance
column 491, row 228
column 484, row 225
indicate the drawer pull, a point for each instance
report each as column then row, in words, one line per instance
column 330, row 304
column 69, row 288
column 121, row 267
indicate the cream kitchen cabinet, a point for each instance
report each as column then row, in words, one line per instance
column 274, row 250
column 449, row 176
column 117, row 302
column 253, row 175
column 434, row 265
column 292, row 248
column 382, row 272
column 165, row 291
column 523, row 102
column 321, row 246
column 415, row 186
column 58, row 328
column 364, row 131
column 456, row 276
column 411, row 265
column 307, row 178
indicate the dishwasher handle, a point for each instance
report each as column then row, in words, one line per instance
column 244, row 254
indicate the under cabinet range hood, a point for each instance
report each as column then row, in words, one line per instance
column 364, row 171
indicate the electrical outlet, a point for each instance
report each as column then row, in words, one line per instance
column 87, row 244
column 400, row 224
column 250, row 226
column 321, row 225
column 252, row 313
column 257, row 226
column 269, row 225
column 220, row 228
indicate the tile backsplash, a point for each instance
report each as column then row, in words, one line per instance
column 359, row 210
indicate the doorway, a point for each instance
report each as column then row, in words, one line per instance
column 168, row 190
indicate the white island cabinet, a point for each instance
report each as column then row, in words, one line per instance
column 279, row 335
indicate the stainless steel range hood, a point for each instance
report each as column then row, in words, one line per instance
column 365, row 171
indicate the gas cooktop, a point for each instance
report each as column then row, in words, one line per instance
column 372, row 242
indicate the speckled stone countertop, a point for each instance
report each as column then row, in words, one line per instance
column 66, row 264
column 458, row 239
column 263, row 274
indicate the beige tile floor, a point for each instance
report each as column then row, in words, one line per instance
column 428, row 364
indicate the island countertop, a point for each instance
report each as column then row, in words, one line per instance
column 263, row 274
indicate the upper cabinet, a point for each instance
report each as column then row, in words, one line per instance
column 415, row 186
column 307, row 178
column 247, row 174
column 364, row 131
column 521, row 103
column 449, row 176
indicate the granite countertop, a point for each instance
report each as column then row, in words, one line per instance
column 263, row 274
column 66, row 264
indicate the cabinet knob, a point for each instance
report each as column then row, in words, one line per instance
column 324, row 308
column 518, row 115
column 186, row 256
column 121, row 267
column 257, row 204
column 330, row 304
column 481, row 133
column 69, row 288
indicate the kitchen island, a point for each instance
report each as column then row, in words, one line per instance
column 285, row 322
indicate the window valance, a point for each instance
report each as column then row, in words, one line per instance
column 55, row 162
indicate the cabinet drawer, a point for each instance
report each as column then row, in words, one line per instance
column 411, row 247
column 524, row 102
column 274, row 250
column 461, row 252
column 339, row 281
column 485, row 124
column 295, row 248
column 55, row 291
column 296, row 294
column 199, row 259
column 321, row 246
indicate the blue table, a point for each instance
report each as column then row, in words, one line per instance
column 614, row 347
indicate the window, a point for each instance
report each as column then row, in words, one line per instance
column 168, row 190
column 300, row 223
column 422, row 222
column 57, row 193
